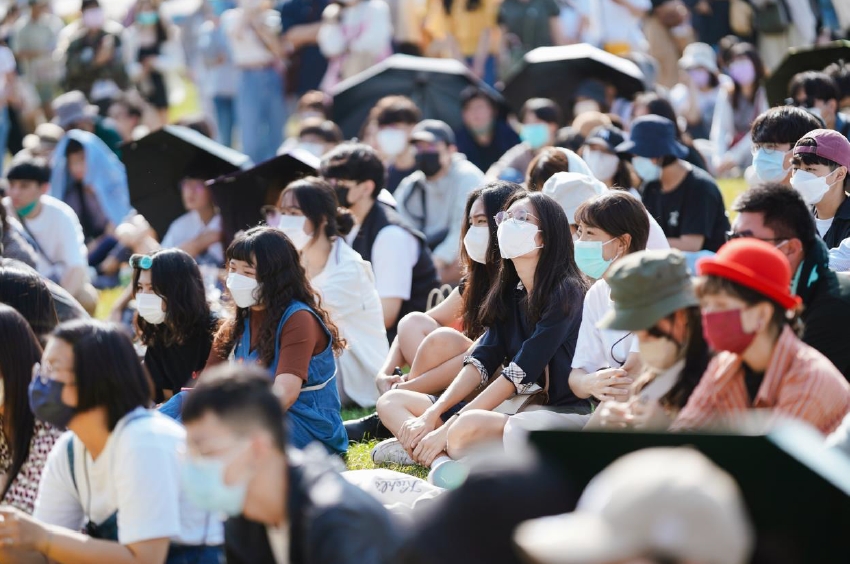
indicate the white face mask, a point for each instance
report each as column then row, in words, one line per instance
column 150, row 308
column 293, row 227
column 811, row 187
column 391, row 142
column 477, row 243
column 517, row 238
column 243, row 289
column 602, row 165
column 315, row 149
column 659, row 353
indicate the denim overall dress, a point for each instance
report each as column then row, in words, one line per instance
column 315, row 414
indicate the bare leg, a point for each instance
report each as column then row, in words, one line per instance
column 474, row 428
column 412, row 330
column 439, row 346
column 398, row 406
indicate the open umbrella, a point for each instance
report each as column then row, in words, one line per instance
column 240, row 195
column 158, row 162
column 555, row 72
column 801, row 59
column 797, row 492
column 433, row 84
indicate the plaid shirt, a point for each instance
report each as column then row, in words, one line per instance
column 800, row 383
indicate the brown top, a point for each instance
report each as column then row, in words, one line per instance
column 301, row 338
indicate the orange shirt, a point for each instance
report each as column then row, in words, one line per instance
column 465, row 26
column 799, row 383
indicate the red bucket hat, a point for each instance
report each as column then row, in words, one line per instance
column 755, row 264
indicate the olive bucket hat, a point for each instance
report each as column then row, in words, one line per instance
column 646, row 287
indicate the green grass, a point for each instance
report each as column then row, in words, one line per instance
column 359, row 455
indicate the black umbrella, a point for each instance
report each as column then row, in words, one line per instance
column 158, row 162
column 240, row 195
column 433, row 84
column 798, row 494
column 801, row 59
column 555, row 72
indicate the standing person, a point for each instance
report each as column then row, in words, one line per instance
column 300, row 22
column 315, row 223
column 174, row 319
column 280, row 325
column 117, row 454
column 532, row 315
column 527, row 25
column 737, row 107
column 222, row 76
column 433, row 197
column 93, row 56
column 354, row 36
column 821, row 175
column 540, row 118
column 404, row 270
column 34, row 41
column 24, row 441
column 275, row 496
column 154, row 58
column 485, row 135
column 615, row 25
column 761, row 363
column 696, row 94
column 8, row 78
column 252, row 30
column 466, row 30
column 683, row 198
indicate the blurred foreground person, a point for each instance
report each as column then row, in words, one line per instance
column 649, row 507
column 284, row 505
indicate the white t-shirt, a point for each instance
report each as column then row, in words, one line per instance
column 137, row 474
column 279, row 542
column 657, row 240
column 611, row 22
column 594, row 346
column 246, row 47
column 190, row 225
column 394, row 254
column 823, row 225
column 58, row 235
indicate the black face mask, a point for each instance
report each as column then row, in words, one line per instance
column 428, row 163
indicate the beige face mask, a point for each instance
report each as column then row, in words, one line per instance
column 660, row 353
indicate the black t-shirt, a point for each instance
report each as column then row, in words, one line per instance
column 753, row 381
column 172, row 367
column 695, row 207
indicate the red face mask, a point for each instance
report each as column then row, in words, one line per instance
column 723, row 331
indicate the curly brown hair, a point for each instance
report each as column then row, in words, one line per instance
column 281, row 279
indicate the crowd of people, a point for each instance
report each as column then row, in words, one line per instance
column 565, row 267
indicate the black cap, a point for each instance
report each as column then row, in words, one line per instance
column 433, row 130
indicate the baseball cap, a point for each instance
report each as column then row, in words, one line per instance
column 829, row 144
column 653, row 137
column 670, row 501
column 646, row 287
column 433, row 130
column 608, row 135
column 699, row 55
column 572, row 189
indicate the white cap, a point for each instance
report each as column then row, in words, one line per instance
column 670, row 501
column 572, row 189
column 699, row 55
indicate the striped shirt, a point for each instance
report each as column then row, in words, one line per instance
column 800, row 383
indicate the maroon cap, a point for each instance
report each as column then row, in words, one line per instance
column 830, row 145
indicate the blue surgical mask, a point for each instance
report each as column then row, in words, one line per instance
column 588, row 256
column 769, row 165
column 203, row 481
column 45, row 397
column 535, row 134
column 646, row 169
column 147, row 18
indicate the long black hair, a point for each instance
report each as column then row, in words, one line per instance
column 175, row 278
column 318, row 202
column 107, row 369
column 558, row 282
column 281, row 279
column 479, row 278
column 20, row 351
column 25, row 291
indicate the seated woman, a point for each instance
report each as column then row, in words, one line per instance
column 117, row 455
column 316, row 224
column 532, row 315
column 600, row 153
column 436, row 347
column 653, row 297
column 24, row 441
column 27, row 292
column 760, row 363
column 174, row 320
column 280, row 325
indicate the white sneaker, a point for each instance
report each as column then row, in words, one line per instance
column 390, row 451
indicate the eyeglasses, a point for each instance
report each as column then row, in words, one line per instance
column 141, row 262
column 749, row 235
column 519, row 215
column 767, row 148
column 43, row 373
